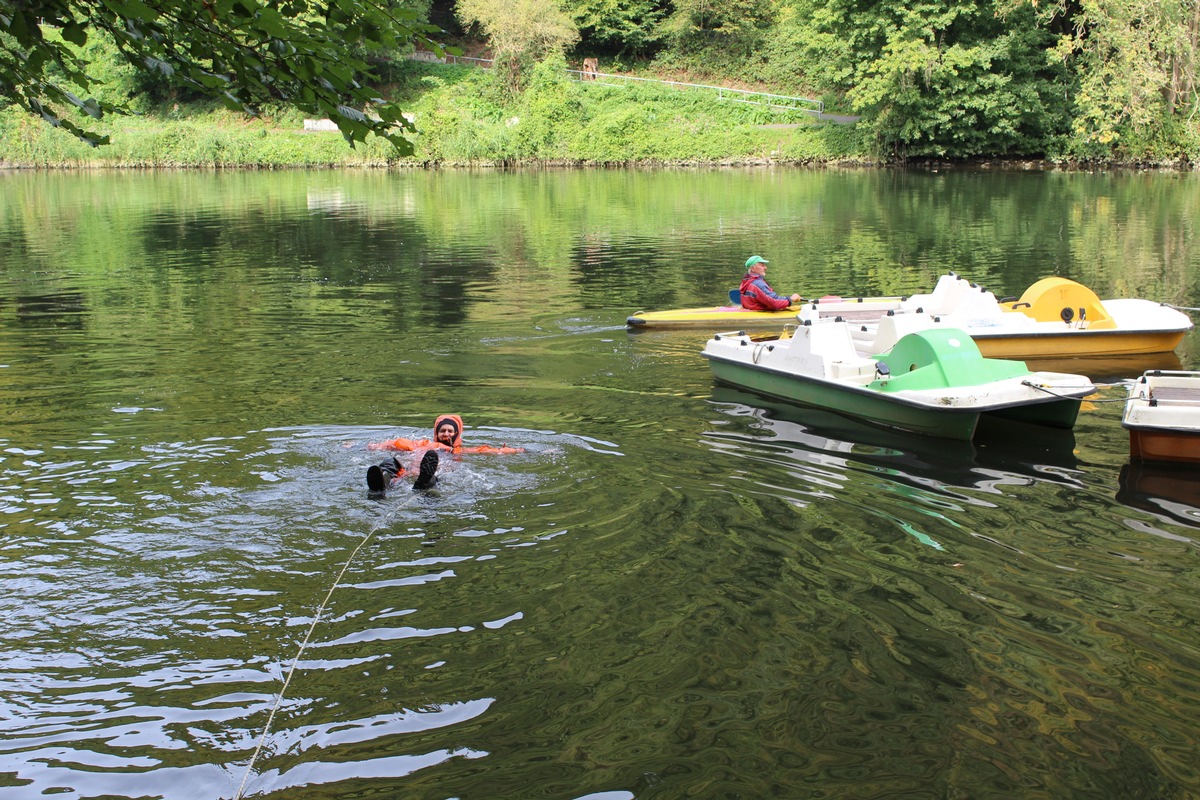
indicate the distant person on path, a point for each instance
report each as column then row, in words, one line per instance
column 447, row 435
column 757, row 294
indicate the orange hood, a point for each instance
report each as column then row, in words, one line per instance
column 457, row 422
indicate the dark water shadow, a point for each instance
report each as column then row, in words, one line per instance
column 999, row 446
column 1002, row 443
column 1169, row 491
column 835, row 434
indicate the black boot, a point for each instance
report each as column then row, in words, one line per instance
column 380, row 476
column 427, row 477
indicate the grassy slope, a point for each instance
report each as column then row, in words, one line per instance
column 461, row 119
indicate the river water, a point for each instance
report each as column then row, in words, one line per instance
column 676, row 591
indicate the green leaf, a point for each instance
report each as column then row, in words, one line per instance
column 75, row 34
column 159, row 66
column 19, row 27
column 232, row 102
column 135, row 9
column 271, row 23
column 351, row 113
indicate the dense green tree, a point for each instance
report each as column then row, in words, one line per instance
column 243, row 52
column 620, row 26
column 521, row 33
column 1135, row 61
column 723, row 28
column 940, row 77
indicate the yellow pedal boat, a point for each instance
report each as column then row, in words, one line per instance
column 1054, row 318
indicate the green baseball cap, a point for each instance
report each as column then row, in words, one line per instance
column 752, row 260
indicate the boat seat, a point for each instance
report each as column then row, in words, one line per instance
column 895, row 327
column 946, row 296
column 832, row 340
column 833, row 344
column 862, row 369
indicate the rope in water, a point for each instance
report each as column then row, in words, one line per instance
column 262, row 740
column 1181, row 308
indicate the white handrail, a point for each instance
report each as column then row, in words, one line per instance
column 818, row 106
column 781, row 101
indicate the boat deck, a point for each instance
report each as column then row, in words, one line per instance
column 851, row 314
column 1176, row 394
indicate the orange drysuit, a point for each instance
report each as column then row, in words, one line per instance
column 430, row 444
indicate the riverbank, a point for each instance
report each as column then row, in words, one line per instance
column 222, row 140
column 462, row 120
column 214, row 142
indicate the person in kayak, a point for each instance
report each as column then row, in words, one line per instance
column 447, row 436
column 757, row 295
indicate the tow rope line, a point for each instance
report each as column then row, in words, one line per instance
column 262, row 740
column 1050, row 391
column 1181, row 308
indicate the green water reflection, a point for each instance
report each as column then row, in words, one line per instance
column 678, row 590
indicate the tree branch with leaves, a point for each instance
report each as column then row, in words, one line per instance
column 242, row 52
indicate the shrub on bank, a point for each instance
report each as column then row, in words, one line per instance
column 213, row 139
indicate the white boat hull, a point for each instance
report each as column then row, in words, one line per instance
column 819, row 366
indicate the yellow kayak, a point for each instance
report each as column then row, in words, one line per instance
column 726, row 318
column 716, row 318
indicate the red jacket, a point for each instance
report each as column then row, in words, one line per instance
column 757, row 295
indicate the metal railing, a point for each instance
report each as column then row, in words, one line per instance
column 486, row 63
column 779, row 102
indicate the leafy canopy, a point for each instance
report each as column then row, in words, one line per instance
column 938, row 77
column 621, row 26
column 521, row 32
column 304, row 53
column 1136, row 61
